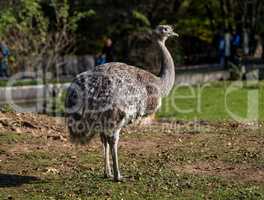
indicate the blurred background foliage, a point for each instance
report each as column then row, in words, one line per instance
column 37, row 28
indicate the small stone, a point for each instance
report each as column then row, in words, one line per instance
column 9, row 197
column 52, row 170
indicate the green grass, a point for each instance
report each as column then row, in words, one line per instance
column 13, row 137
column 87, row 185
column 215, row 101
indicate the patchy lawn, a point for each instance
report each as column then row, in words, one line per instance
column 166, row 160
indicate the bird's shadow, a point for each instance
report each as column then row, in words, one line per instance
column 13, row 180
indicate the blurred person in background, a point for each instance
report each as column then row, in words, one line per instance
column 108, row 50
column 107, row 54
column 4, row 53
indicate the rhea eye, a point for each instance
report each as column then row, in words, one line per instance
column 165, row 29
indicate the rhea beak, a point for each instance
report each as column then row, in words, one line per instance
column 174, row 34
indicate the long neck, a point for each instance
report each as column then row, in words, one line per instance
column 167, row 72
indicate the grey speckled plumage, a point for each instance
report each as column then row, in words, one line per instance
column 115, row 94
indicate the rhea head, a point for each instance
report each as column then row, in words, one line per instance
column 163, row 32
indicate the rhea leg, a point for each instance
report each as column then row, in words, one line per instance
column 113, row 142
column 107, row 168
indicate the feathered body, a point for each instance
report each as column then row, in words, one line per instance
column 108, row 97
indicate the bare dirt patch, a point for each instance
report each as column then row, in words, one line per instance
column 237, row 172
column 31, row 123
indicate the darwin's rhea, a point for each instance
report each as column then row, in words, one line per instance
column 112, row 95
